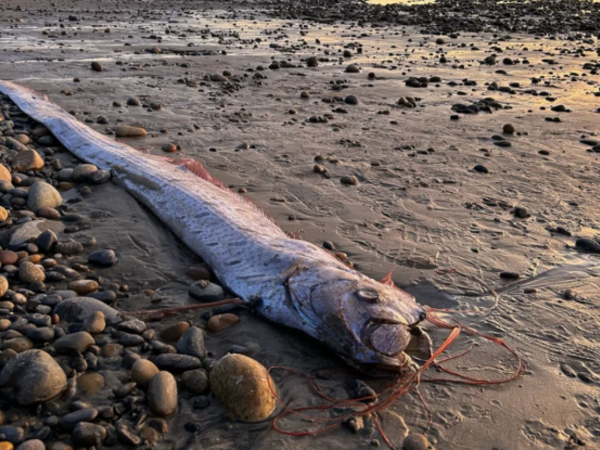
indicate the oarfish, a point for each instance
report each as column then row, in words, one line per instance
column 288, row 281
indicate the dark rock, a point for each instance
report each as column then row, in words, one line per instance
column 174, row 362
column 192, row 343
column 88, row 434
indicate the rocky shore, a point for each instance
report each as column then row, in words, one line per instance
column 454, row 143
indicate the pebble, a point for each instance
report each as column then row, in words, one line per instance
column 169, row 148
column 134, row 102
column 143, row 371
column 34, row 377
column 131, row 340
column 3, row 286
column 12, row 434
column 82, row 172
column 29, row 231
column 43, row 195
column 94, row 323
column 126, row 437
column 588, row 245
column 521, row 212
column 32, row 444
column 508, row 129
column 18, row 344
column 75, row 342
column 77, row 309
column 349, row 180
column 175, row 331
column 220, row 322
column 199, row 272
column 46, row 241
column 83, row 287
column 3, row 214
column 5, row 174
column 415, row 442
column 110, row 350
column 90, row 382
column 49, row 213
column 30, row 273
column 205, row 291
column 480, row 168
column 88, row 434
column 242, row 386
column 312, row 61
column 132, row 326
column 100, row 176
column 192, row 343
column 351, row 100
column 510, row 275
column 174, row 362
column 69, row 248
column 103, row 258
column 69, row 421
column 162, row 394
column 195, row 381
column 149, row 435
column 352, row 68
column 126, row 131
column 96, row 66
column 28, row 160
column 43, row 334
column 8, row 257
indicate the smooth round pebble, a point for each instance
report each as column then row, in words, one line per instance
column 242, row 385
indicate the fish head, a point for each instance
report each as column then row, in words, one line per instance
column 366, row 322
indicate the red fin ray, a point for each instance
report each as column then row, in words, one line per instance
column 387, row 280
column 200, row 171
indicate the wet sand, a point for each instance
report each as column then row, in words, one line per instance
column 419, row 208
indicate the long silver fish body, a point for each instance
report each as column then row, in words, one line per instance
column 288, row 281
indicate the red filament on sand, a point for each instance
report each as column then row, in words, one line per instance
column 387, row 396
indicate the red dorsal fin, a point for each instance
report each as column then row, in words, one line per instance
column 200, row 171
column 387, row 280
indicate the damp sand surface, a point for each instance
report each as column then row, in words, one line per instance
column 420, row 209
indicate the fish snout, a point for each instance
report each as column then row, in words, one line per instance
column 387, row 337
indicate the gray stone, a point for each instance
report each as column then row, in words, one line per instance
column 14, row 435
column 30, row 273
column 99, row 177
column 32, row 444
column 65, row 175
column 29, row 231
column 103, row 258
column 88, row 434
column 82, row 171
column 176, row 362
column 125, row 436
column 44, row 334
column 192, row 343
column 76, row 342
column 43, row 195
column 132, row 326
column 131, row 340
column 162, row 394
column 69, row 421
column 77, row 309
column 195, row 381
column 46, row 240
column 205, row 291
column 34, row 377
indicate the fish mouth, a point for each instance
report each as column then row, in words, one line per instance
column 386, row 337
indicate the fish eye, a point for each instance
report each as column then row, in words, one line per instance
column 368, row 295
